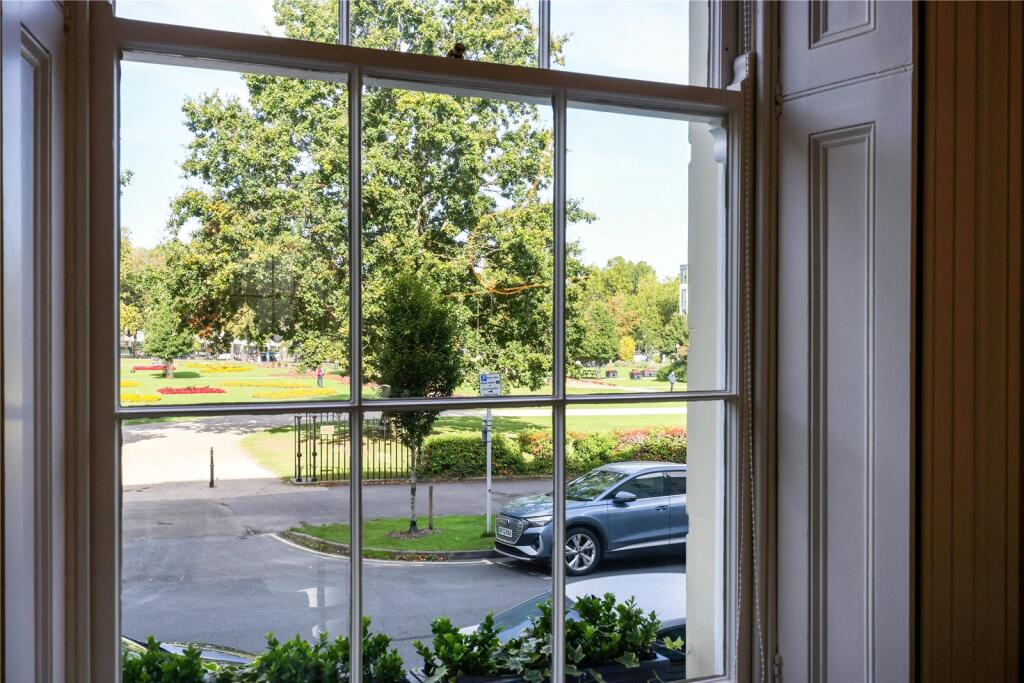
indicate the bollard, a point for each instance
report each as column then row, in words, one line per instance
column 430, row 507
column 211, row 467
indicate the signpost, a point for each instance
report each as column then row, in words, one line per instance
column 490, row 385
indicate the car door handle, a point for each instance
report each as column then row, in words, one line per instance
column 662, row 507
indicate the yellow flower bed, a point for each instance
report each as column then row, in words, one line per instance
column 214, row 368
column 279, row 384
column 131, row 397
column 294, row 393
column 125, row 384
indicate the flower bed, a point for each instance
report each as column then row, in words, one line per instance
column 214, row 368
column 125, row 384
column 131, row 397
column 294, row 393
column 273, row 384
column 143, row 368
column 190, row 390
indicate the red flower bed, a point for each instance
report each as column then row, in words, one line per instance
column 190, row 390
column 149, row 367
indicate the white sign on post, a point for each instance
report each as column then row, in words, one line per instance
column 490, row 384
column 327, row 430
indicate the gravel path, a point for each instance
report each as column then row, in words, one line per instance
column 179, row 451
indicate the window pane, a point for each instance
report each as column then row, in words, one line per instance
column 503, row 31
column 643, row 486
column 457, row 243
column 450, row 562
column 645, row 256
column 315, row 21
column 654, row 40
column 223, row 565
column 234, row 257
column 664, row 549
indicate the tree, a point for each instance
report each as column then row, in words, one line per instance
column 675, row 335
column 627, row 348
column 600, row 341
column 166, row 337
column 454, row 186
column 419, row 355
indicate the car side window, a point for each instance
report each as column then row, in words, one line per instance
column 676, row 483
column 644, row 486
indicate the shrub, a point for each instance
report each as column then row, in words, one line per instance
column 596, row 446
column 539, row 446
column 463, row 455
column 131, row 397
column 190, row 390
column 678, row 366
column 664, row 444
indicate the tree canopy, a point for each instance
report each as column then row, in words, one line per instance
column 455, row 188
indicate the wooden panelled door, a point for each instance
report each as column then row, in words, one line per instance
column 32, row 347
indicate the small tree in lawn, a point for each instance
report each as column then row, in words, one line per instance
column 417, row 352
column 166, row 337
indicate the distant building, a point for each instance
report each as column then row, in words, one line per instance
column 682, row 289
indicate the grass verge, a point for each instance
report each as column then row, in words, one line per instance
column 453, row 533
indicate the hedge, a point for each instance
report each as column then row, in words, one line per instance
column 462, row 455
column 452, row 456
column 589, row 450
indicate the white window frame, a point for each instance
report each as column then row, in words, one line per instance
column 95, row 493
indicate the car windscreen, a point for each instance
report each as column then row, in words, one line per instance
column 592, row 484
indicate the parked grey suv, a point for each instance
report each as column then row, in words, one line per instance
column 615, row 510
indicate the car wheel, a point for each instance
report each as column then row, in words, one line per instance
column 582, row 551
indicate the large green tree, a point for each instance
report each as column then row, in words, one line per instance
column 419, row 355
column 455, row 187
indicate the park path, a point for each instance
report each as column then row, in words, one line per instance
column 179, row 451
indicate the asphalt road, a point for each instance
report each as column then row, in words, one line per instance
column 204, row 566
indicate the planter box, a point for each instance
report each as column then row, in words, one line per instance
column 635, row 374
column 611, row 373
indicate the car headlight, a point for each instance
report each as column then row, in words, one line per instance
column 540, row 520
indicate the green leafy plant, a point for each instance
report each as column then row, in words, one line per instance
column 152, row 664
column 454, row 653
column 323, row 661
column 600, row 631
column 463, row 455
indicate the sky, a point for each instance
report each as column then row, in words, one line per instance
column 629, row 170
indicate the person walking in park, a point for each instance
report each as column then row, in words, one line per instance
column 320, row 376
column 672, row 381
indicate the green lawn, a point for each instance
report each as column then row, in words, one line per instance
column 456, row 532
column 199, row 373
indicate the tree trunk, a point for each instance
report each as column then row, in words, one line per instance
column 169, row 369
column 412, row 489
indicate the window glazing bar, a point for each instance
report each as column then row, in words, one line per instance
column 544, row 34
column 344, row 32
column 558, row 386
column 222, row 409
column 269, row 51
column 355, row 372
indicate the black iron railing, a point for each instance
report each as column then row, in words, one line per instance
column 323, row 449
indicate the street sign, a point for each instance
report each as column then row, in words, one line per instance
column 490, row 384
